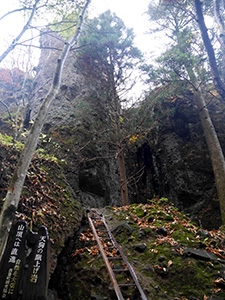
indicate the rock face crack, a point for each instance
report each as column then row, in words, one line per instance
column 58, row 286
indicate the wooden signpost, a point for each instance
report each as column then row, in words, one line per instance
column 24, row 264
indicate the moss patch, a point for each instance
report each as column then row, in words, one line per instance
column 163, row 268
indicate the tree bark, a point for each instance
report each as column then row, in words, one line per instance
column 123, row 177
column 215, row 150
column 15, row 187
column 219, row 84
column 7, row 108
column 116, row 119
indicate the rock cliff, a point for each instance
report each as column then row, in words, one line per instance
column 173, row 155
column 172, row 158
column 176, row 160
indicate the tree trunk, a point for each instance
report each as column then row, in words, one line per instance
column 116, row 120
column 123, row 177
column 221, row 28
column 15, row 187
column 219, row 84
column 215, row 150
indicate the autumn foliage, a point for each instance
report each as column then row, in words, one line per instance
column 10, row 81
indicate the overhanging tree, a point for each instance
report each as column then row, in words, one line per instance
column 15, row 187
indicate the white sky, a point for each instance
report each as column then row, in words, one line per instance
column 130, row 11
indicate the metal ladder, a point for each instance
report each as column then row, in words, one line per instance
column 106, row 243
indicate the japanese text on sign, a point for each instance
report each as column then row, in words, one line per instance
column 16, row 245
column 7, row 282
column 38, row 259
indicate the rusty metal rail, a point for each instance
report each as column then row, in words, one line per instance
column 111, row 252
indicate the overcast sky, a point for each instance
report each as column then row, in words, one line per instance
column 131, row 12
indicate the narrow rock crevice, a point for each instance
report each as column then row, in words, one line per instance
column 57, row 283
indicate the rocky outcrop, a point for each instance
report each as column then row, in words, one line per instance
column 95, row 183
column 72, row 87
column 171, row 161
column 173, row 156
column 176, row 160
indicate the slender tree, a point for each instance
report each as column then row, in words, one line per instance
column 107, row 59
column 15, row 187
column 62, row 16
column 184, row 63
column 34, row 10
column 218, row 14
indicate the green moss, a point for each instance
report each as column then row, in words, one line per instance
column 189, row 275
column 185, row 238
column 185, row 277
column 79, row 290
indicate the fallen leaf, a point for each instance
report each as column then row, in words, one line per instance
column 170, row 263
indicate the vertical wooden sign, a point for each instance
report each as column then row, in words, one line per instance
column 24, row 265
column 35, row 276
column 12, row 263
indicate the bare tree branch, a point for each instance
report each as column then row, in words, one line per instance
column 14, row 43
column 6, row 106
column 13, row 11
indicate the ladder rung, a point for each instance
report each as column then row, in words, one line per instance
column 126, row 284
column 114, row 257
column 120, row 270
column 110, row 247
column 104, row 237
